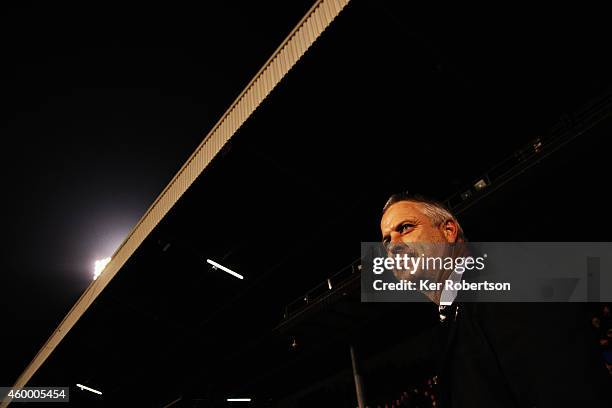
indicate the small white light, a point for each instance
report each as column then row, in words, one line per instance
column 537, row 146
column 99, row 266
column 223, row 268
column 480, row 184
column 329, row 285
column 238, row 400
column 84, row 388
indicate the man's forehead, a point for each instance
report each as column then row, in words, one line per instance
column 398, row 211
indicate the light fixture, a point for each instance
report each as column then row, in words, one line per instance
column 480, row 184
column 223, row 268
column 85, row 388
column 466, row 195
column 537, row 145
column 238, row 400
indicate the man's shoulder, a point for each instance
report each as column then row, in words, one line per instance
column 539, row 347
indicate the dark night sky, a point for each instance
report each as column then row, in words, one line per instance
column 102, row 103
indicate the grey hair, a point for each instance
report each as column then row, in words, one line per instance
column 435, row 210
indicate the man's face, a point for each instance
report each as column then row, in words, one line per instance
column 405, row 222
column 407, row 230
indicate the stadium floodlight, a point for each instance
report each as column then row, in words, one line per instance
column 99, row 266
column 238, row 400
column 84, row 388
column 223, row 268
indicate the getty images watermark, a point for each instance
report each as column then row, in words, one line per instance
column 453, row 268
column 488, row 271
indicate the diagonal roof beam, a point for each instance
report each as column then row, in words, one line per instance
column 305, row 33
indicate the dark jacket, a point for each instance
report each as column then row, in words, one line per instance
column 522, row 355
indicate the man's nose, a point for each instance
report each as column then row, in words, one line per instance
column 395, row 243
column 395, row 237
column 397, row 248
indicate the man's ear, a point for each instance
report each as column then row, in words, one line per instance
column 450, row 230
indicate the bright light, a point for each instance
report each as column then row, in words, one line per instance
column 84, row 388
column 99, row 266
column 238, row 400
column 480, row 184
column 223, row 268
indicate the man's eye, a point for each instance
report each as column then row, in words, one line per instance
column 405, row 227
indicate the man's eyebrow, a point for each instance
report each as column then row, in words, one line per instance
column 410, row 220
column 396, row 226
